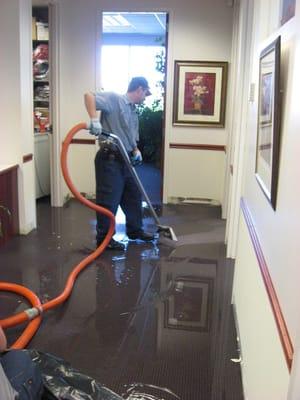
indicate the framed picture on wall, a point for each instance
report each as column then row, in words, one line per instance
column 200, row 93
column 268, row 123
column 288, row 8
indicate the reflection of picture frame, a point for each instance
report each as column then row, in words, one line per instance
column 200, row 93
column 288, row 8
column 266, row 97
column 189, row 306
column 268, row 123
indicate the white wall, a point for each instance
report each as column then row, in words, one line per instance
column 278, row 230
column 76, row 68
column 16, row 132
column 10, row 82
column 198, row 31
column 201, row 176
column 264, row 370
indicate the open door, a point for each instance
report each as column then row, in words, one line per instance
column 138, row 42
column 41, row 99
column 45, row 102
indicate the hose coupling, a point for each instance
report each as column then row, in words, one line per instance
column 33, row 312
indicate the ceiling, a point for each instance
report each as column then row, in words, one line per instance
column 144, row 23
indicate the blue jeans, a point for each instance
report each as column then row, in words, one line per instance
column 23, row 375
column 115, row 186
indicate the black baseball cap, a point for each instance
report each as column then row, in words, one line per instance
column 138, row 81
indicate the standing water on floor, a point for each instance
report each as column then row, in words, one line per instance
column 149, row 323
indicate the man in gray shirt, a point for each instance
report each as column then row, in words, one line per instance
column 114, row 183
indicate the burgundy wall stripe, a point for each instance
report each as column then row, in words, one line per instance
column 27, row 158
column 83, row 141
column 279, row 318
column 191, row 146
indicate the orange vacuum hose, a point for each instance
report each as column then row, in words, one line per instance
column 34, row 314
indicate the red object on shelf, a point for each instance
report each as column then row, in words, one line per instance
column 41, row 52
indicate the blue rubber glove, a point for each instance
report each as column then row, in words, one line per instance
column 95, row 127
column 136, row 157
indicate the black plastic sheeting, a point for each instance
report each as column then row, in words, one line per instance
column 62, row 382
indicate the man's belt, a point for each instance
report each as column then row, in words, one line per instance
column 111, row 151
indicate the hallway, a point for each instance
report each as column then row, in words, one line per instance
column 152, row 315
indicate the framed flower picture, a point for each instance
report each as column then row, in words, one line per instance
column 200, row 93
column 268, row 122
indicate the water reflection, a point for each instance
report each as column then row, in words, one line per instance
column 162, row 320
column 140, row 321
column 118, row 287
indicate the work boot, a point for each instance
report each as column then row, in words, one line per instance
column 112, row 245
column 141, row 235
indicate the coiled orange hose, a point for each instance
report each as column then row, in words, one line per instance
column 39, row 308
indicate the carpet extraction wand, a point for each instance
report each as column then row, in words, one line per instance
column 166, row 233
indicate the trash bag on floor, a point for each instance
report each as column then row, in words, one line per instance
column 62, row 382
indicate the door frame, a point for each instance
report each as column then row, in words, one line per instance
column 99, row 31
column 54, row 137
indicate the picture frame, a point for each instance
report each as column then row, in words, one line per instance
column 190, row 305
column 288, row 9
column 200, row 93
column 268, row 121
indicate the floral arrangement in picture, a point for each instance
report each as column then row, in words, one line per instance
column 198, row 90
column 200, row 93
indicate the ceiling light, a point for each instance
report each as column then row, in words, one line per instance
column 122, row 21
column 109, row 21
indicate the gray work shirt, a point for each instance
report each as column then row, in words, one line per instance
column 119, row 117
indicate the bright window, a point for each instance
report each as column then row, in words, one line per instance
column 120, row 63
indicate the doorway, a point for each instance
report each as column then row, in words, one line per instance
column 45, row 34
column 41, row 100
column 137, row 41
